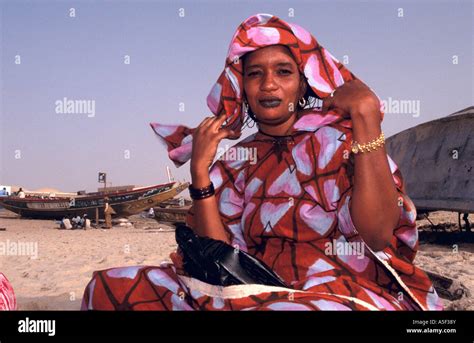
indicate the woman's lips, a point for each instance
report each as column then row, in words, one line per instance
column 270, row 103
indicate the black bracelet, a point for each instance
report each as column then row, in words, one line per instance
column 201, row 193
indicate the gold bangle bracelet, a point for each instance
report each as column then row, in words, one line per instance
column 368, row 147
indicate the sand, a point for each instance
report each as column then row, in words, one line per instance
column 56, row 278
column 446, row 251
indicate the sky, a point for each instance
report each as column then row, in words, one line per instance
column 416, row 52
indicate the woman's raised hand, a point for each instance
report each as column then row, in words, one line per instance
column 354, row 98
column 206, row 139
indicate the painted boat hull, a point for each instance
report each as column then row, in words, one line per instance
column 123, row 203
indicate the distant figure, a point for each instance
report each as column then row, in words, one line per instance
column 83, row 220
column 4, row 192
column 467, row 226
column 20, row 193
column 86, row 222
column 151, row 213
column 76, row 222
column 108, row 211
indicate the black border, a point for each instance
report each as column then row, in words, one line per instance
column 315, row 324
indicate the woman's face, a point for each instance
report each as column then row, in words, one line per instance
column 272, row 84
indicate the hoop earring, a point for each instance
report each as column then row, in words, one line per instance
column 302, row 102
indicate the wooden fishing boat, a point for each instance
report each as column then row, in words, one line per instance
column 173, row 210
column 437, row 161
column 125, row 203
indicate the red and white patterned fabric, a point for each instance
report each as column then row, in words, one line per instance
column 287, row 209
column 7, row 296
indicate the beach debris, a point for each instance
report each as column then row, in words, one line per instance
column 122, row 222
column 159, row 229
column 66, row 224
column 104, row 259
column 119, row 221
column 151, row 213
column 448, row 288
column 75, row 223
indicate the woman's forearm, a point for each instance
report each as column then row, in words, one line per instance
column 206, row 212
column 374, row 206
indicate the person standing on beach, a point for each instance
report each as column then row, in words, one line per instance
column 108, row 211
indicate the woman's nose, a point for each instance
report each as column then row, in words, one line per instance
column 268, row 83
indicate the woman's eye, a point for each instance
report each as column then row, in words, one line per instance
column 252, row 73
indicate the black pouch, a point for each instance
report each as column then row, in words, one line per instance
column 218, row 263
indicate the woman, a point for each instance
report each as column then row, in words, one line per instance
column 7, row 296
column 322, row 204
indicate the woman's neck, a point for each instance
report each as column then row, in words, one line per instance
column 283, row 129
column 275, row 130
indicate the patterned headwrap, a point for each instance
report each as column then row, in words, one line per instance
column 324, row 73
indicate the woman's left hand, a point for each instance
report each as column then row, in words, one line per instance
column 354, row 98
column 374, row 208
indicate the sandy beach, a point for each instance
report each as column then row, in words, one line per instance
column 447, row 252
column 60, row 262
column 56, row 278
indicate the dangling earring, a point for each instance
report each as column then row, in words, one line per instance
column 302, row 102
column 246, row 107
column 249, row 121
